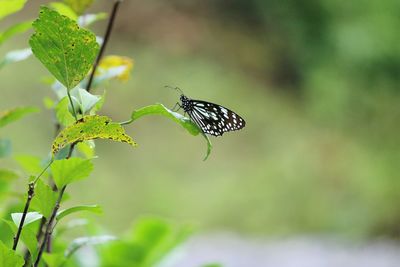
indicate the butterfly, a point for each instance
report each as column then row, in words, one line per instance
column 211, row 118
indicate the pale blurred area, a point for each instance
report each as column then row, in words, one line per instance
column 318, row 85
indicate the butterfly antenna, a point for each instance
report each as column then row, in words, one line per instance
column 175, row 88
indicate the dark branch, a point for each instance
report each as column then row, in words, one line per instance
column 104, row 44
column 49, row 226
column 31, row 192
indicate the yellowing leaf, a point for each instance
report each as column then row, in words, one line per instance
column 89, row 128
column 65, row 49
column 121, row 66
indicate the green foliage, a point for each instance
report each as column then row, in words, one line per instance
column 66, row 171
column 15, row 114
column 31, row 164
column 62, row 112
column 15, row 29
column 31, row 217
column 79, row 6
column 90, row 208
column 68, row 52
column 90, row 128
column 160, row 109
column 45, row 199
column 64, row 9
column 65, row 49
column 28, row 235
column 83, row 100
column 9, row 258
column 54, row 259
column 148, row 244
column 8, row 7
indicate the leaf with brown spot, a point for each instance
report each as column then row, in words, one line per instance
column 89, row 128
column 65, row 49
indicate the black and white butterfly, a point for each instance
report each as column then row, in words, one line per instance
column 211, row 118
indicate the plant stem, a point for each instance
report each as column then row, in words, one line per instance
column 105, row 41
column 49, row 226
column 72, row 105
column 31, row 192
column 126, row 122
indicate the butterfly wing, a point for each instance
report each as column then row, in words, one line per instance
column 214, row 119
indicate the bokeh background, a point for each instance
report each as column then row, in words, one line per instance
column 317, row 82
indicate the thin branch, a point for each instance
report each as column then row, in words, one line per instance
column 31, row 192
column 105, row 41
column 49, row 226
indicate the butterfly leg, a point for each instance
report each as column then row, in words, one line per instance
column 179, row 107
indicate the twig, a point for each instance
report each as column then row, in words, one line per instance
column 49, row 238
column 49, row 226
column 104, row 44
column 31, row 192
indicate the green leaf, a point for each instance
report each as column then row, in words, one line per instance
column 15, row 29
column 28, row 236
column 90, row 128
column 64, row 48
column 212, row 265
column 89, row 19
column 5, row 148
column 66, row 171
column 99, row 104
column 160, row 109
column 8, row 7
column 15, row 56
column 87, row 149
column 157, row 237
column 45, row 199
column 14, row 114
column 63, row 114
column 30, row 218
column 87, row 241
column 54, row 259
column 91, row 208
column 9, row 258
column 79, row 6
column 30, row 164
column 83, row 100
column 64, row 9
column 150, row 242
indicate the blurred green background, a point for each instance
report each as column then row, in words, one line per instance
column 317, row 82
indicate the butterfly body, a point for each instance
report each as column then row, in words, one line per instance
column 212, row 118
